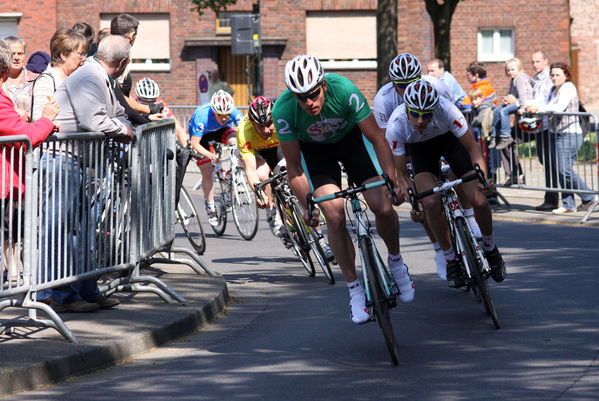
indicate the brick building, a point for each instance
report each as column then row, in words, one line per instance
column 175, row 44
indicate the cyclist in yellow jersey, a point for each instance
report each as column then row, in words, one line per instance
column 257, row 140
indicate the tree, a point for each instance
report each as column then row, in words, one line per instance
column 386, row 38
column 441, row 12
column 214, row 5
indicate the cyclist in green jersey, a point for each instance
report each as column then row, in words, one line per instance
column 322, row 120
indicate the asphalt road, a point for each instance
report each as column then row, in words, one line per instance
column 289, row 337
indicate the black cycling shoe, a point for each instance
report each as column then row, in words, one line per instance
column 497, row 264
column 455, row 279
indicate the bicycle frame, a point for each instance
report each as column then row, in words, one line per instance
column 361, row 228
column 453, row 212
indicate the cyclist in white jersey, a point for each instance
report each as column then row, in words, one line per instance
column 427, row 127
column 403, row 69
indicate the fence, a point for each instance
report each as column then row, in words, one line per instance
column 561, row 156
column 78, row 208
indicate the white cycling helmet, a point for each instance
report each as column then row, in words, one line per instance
column 303, row 73
column 405, row 67
column 147, row 89
column 222, row 102
column 421, row 95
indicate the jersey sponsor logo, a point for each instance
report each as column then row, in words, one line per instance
column 323, row 130
column 456, row 122
column 247, row 145
column 394, row 144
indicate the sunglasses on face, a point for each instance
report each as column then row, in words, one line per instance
column 312, row 95
column 223, row 116
column 404, row 84
column 423, row 114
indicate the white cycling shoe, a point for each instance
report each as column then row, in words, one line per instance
column 403, row 280
column 441, row 265
column 357, row 308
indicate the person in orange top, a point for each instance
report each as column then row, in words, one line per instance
column 476, row 73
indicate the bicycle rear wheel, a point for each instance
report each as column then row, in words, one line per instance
column 244, row 206
column 221, row 199
column 479, row 282
column 380, row 302
column 295, row 230
column 189, row 218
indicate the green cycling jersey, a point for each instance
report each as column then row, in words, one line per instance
column 344, row 106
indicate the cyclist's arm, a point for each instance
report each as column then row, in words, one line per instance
column 195, row 144
column 181, row 133
column 403, row 177
column 135, row 105
column 376, row 136
column 295, row 174
column 249, row 162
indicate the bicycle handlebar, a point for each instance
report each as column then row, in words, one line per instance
column 352, row 190
column 274, row 177
column 446, row 185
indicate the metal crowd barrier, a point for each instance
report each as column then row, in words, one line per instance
column 546, row 160
column 91, row 206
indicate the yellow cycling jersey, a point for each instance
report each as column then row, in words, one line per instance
column 249, row 140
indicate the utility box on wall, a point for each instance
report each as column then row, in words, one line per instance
column 245, row 34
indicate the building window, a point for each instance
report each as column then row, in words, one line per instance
column 151, row 50
column 495, row 44
column 342, row 39
column 9, row 24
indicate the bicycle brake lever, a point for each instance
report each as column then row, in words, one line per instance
column 310, row 203
column 481, row 175
column 413, row 200
column 390, row 186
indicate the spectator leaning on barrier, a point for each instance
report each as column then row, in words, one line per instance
column 476, row 73
column 68, row 50
column 563, row 97
column 12, row 124
column 87, row 104
column 18, row 84
column 436, row 68
column 541, row 86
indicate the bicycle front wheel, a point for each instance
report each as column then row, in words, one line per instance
column 221, row 201
column 379, row 301
column 189, row 218
column 479, row 282
column 294, row 226
column 244, row 206
column 313, row 238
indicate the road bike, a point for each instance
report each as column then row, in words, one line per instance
column 232, row 192
column 380, row 287
column 474, row 264
column 300, row 236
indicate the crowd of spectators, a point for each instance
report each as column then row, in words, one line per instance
column 82, row 85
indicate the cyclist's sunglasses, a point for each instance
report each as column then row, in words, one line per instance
column 223, row 115
column 423, row 114
column 404, row 84
column 312, row 95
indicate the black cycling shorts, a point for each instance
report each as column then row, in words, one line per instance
column 272, row 156
column 219, row 135
column 425, row 155
column 321, row 160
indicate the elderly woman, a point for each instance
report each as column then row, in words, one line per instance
column 18, row 84
column 68, row 50
column 567, row 137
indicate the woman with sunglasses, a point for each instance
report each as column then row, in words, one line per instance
column 215, row 121
column 427, row 127
column 322, row 120
column 404, row 69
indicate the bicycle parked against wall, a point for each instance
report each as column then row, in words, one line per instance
column 233, row 193
column 476, row 269
column 380, row 288
column 298, row 234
